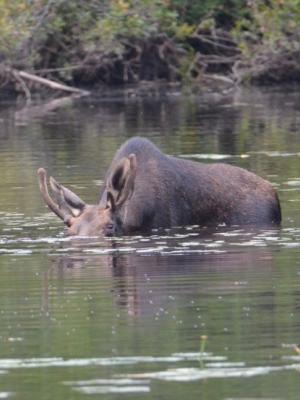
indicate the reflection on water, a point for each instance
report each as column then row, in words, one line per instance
column 119, row 317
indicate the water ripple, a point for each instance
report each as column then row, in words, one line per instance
column 195, row 374
column 186, row 240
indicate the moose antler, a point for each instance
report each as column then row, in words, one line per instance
column 42, row 174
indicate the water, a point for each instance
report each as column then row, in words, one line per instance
column 123, row 318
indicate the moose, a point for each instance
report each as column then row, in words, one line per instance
column 146, row 189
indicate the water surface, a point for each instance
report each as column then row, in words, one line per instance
column 123, row 317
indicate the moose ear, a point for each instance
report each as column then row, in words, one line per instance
column 67, row 200
column 110, row 202
column 120, row 184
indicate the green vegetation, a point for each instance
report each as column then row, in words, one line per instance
column 120, row 41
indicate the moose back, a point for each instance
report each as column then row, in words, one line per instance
column 146, row 189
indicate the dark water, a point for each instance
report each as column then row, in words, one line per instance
column 123, row 318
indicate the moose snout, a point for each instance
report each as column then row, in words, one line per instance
column 110, row 230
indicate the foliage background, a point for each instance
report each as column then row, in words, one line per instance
column 58, row 38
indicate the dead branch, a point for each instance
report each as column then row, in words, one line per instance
column 22, row 75
column 215, row 59
column 219, row 78
column 61, row 69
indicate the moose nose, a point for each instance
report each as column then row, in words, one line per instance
column 109, row 231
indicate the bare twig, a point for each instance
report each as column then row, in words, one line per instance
column 214, row 43
column 220, row 78
column 215, row 59
column 70, row 68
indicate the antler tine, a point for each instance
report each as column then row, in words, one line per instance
column 42, row 174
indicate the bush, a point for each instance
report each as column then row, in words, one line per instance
column 59, row 37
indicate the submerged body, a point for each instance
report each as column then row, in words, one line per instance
column 170, row 191
column 146, row 189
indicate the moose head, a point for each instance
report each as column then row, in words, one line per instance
column 92, row 220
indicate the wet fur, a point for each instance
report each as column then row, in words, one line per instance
column 170, row 191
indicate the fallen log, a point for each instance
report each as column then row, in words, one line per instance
column 20, row 76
